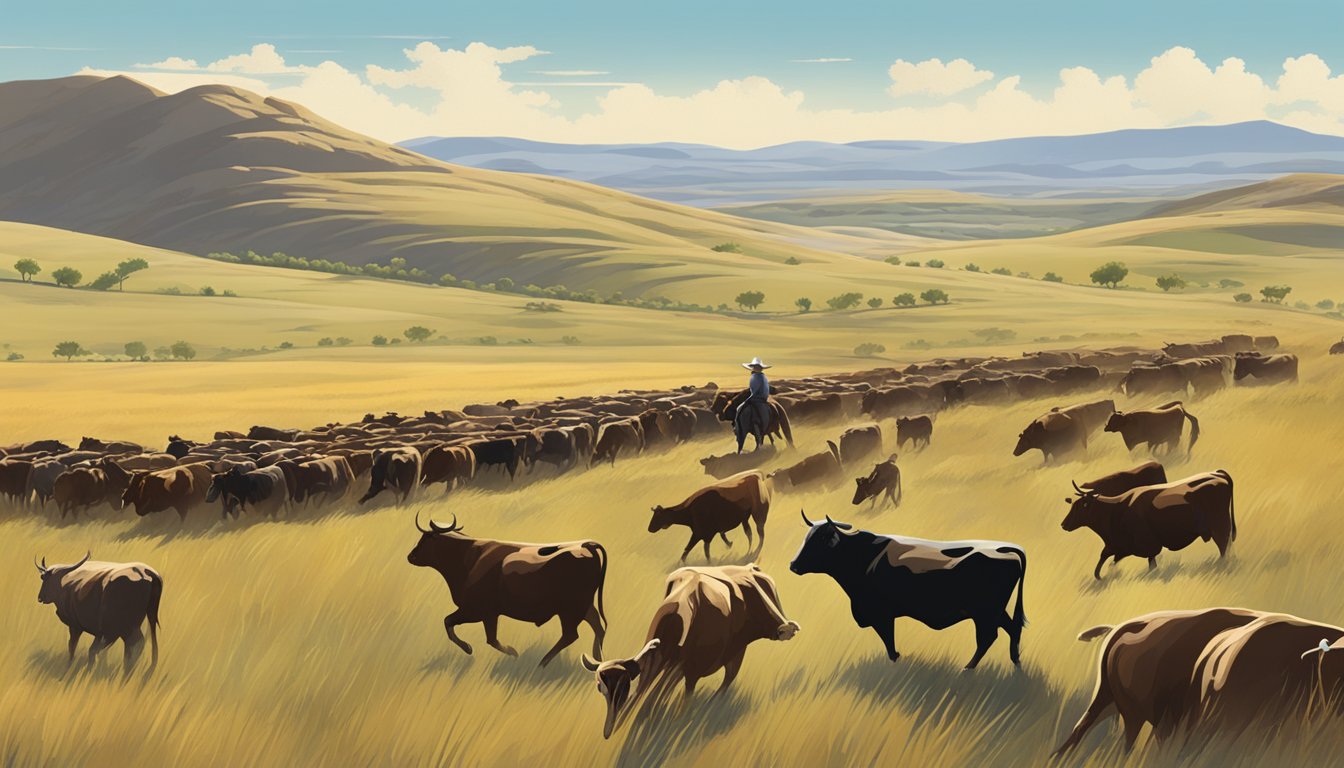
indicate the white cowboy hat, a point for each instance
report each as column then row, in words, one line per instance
column 755, row 363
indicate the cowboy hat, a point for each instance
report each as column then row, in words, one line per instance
column 755, row 363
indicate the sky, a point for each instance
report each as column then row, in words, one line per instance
column 731, row 73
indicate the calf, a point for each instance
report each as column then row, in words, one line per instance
column 822, row 469
column 1056, row 435
column 918, row 430
column 109, row 601
column 1160, row 426
column 885, row 478
column 1116, row 483
column 716, row 509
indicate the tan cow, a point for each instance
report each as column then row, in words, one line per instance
column 109, row 601
column 178, row 488
column 451, row 465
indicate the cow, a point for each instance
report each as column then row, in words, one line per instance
column 552, row 446
column 1337, row 348
column 265, row 489
column 938, row 583
column 109, row 601
column 893, row 402
column 1116, row 483
column 144, row 461
column 682, row 423
column 48, row 447
column 734, row 463
column 1143, row 521
column 1195, row 349
column 321, row 479
column 657, row 428
column 615, row 438
column 1145, row 668
column 1266, row 343
column 917, row 430
column 818, row 469
column 526, row 582
column 398, row 469
column 1205, row 375
column 739, row 500
column 1055, row 434
column 79, row 488
column 177, row 488
column 1093, row 416
column 271, row 433
column 1160, row 426
column 1265, row 369
column 504, row 452
column 14, row 479
column 707, row 619
column 1030, row 386
column 1073, row 377
column 116, row 446
column 859, row 442
column 1238, row 342
column 1153, row 380
column 448, row 464
column 42, row 480
column 885, row 478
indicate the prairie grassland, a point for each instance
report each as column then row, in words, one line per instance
column 311, row 641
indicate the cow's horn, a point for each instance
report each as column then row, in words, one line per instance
column 805, row 520
column 417, row 523
column 441, row 529
column 42, row 567
column 1075, row 486
column 87, row 555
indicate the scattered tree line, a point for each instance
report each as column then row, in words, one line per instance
column 69, row 277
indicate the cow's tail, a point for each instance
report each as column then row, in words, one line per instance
column 835, row 451
column 1231, row 501
column 1019, row 613
column 1088, row 635
column 600, row 553
column 784, row 425
column 152, row 614
column 1194, row 430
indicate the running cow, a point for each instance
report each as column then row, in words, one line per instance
column 712, row 511
column 1161, row 426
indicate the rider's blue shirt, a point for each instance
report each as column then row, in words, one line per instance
column 760, row 388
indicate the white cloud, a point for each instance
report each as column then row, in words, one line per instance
column 934, row 78
column 467, row 91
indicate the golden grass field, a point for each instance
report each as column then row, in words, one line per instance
column 311, row 641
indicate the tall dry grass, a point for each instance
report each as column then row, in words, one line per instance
column 313, row 642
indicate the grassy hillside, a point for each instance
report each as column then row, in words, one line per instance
column 272, row 632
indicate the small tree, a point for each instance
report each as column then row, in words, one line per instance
column 104, row 281
column 207, row 291
column 1110, row 274
column 417, row 333
column 875, row 302
column 935, row 263
column 67, row 276
column 1275, row 294
column 136, row 350
column 1242, row 298
column 326, row 341
column 1051, row 277
column 182, row 350
column 127, row 268
column 903, row 300
column 972, row 267
column 844, row 301
column 1225, row 283
column 344, row 341
column 994, row 335
column 750, row 299
column 380, row 341
column 935, row 296
column 1325, row 305
column 26, row 269
column 1167, row 282
column 69, row 350
column 162, row 353
column 727, row 248
column 868, row 349
column 1006, row 272
column 804, row 304
column 14, row 357
column 505, row 284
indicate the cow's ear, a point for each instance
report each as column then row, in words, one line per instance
column 858, row 481
column 1068, row 500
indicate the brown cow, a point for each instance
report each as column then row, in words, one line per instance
column 735, row 463
column 42, row 479
column 1116, row 483
column 526, row 582
column 616, row 438
column 682, row 423
column 107, row 600
column 1093, row 415
column 1153, row 380
column 1266, row 369
column 1056, row 434
column 552, row 446
column 178, row 488
column 1238, row 342
column 1160, row 426
column 116, row 446
column 1337, row 348
column 885, row 478
column 859, row 442
column 657, row 428
column 1266, row 343
column 448, row 464
column 14, row 479
column 819, row 468
column 707, row 619
column 716, row 509
column 1144, row 521
column 918, row 430
column 398, row 469
column 79, row 488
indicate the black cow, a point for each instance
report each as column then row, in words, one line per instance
column 917, row 430
column 504, row 453
column 939, row 583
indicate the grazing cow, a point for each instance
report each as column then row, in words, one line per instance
column 42, row 479
column 1160, row 426
column 1266, row 369
column 14, row 479
column 657, row 428
column 918, row 430
column 616, row 438
column 552, row 446
column 109, row 601
column 448, row 464
column 938, row 583
column 682, row 423
column 177, row 488
column 1153, row 380
column 79, row 488
column 1143, row 521
column 1238, row 342
column 1266, row 343
column 504, row 452
column 1337, row 348
column 707, row 619
column 734, row 463
column 1056, row 434
column 859, row 442
column 818, row 469
column 116, row 446
column 716, row 509
column 1145, row 668
column 893, row 402
column 526, row 582
column 398, row 469
column 1093, row 415
column 265, row 489
column 885, row 478
column 1116, row 483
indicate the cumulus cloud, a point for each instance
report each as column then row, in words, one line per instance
column 468, row 91
column 934, row 78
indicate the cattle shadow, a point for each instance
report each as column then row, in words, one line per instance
column 451, row 660
column 524, row 670
column 667, row 725
column 55, row 664
column 1135, row 570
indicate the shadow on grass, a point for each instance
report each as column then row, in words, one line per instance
column 524, row 671
column 668, row 725
column 1165, row 572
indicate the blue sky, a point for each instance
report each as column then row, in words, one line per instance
column 678, row 50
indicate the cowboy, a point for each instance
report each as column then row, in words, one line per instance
column 759, row 397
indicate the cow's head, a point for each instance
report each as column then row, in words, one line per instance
column 902, row 421
column 1326, row 656
column 1029, row 438
column 1116, row 422
column 615, row 681
column 50, row 590
column 90, row 444
column 1080, row 509
column 865, row 489
column 429, row 551
column 661, row 519
column 817, row 553
column 135, row 488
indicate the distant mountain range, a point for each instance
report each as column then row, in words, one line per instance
column 1158, row 162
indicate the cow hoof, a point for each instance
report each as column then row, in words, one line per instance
column 894, row 656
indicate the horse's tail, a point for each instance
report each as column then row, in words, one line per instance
column 784, row 425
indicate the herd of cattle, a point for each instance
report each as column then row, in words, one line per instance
column 709, row 615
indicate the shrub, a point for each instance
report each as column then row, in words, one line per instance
column 1110, row 274
column 286, row 345
column 14, row 357
column 26, row 269
column 875, row 302
column 1051, row 277
column 1275, row 294
column 749, row 299
column 935, row 296
column 344, row 341
column 171, row 290
column 727, row 248
column 182, row 350
column 1024, row 275
column 136, row 350
column 912, row 263
column 1226, row 283
column 394, row 340
column 844, row 301
column 447, row 279
column 1242, row 298
column 1325, row 304
column 1167, row 282
column 69, row 350
column 972, row 267
column 67, row 276
column 994, row 335
column 918, row 344
column 868, row 349
column 903, row 300
column 229, row 294
column 803, row 304
column 570, row 340
column 379, row 341
column 326, row 341
column 542, row 306
column 127, row 268
column 488, row 341
column 505, row 284
column 207, row 290
column 935, row 263
column 104, row 281
column 417, row 333
column 1006, row 272
column 162, row 353
column 792, row 261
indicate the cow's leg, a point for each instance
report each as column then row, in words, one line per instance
column 1152, row 562
column 452, row 620
column 986, row 632
column 707, row 541
column 746, row 528
column 886, row 629
column 1014, row 637
column 99, row 643
column 569, row 632
column 690, row 689
column 724, row 535
column 594, row 620
column 491, row 624
column 691, row 545
column 74, row 641
column 181, row 511
column 1096, row 572
column 133, row 643
column 730, row 670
